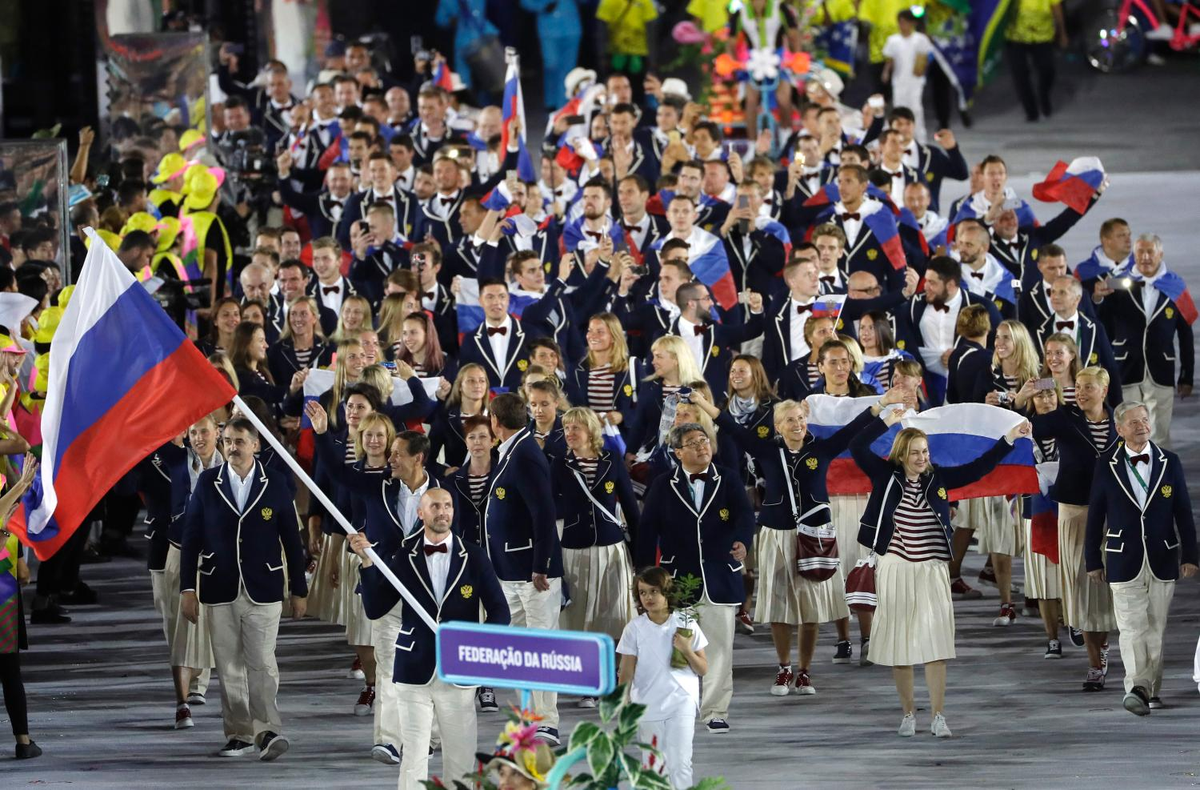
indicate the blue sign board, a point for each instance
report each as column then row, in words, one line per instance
column 569, row 662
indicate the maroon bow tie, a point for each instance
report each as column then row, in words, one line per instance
column 977, row 275
column 595, row 234
column 331, row 289
column 497, row 330
column 699, row 329
column 388, row 199
column 447, row 201
column 768, row 201
column 630, row 228
column 910, row 151
column 431, row 294
column 849, row 215
column 1144, row 458
column 829, row 279
column 698, row 476
column 945, row 308
column 1065, row 325
column 897, row 174
column 435, row 548
column 801, row 309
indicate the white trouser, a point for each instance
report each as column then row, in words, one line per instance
column 673, row 738
column 1140, row 606
column 906, row 92
column 1160, row 403
column 243, row 642
column 453, row 709
column 717, row 685
column 387, row 693
column 533, row 609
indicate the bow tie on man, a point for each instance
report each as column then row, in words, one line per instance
column 331, row 289
column 629, row 228
column 595, row 234
column 447, row 201
column 977, row 275
column 435, row 548
column 944, row 308
column 1061, row 325
column 1144, row 458
column 828, row 279
column 497, row 330
column 852, row 215
column 698, row 476
column 430, row 294
column 700, row 329
column 801, row 309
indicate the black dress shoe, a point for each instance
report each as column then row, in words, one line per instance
column 51, row 615
column 82, row 595
column 27, row 751
column 90, row 556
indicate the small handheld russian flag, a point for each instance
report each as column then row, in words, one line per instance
column 514, row 108
column 1072, row 184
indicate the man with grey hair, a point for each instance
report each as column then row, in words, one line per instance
column 1090, row 336
column 1145, row 311
column 1140, row 539
column 698, row 522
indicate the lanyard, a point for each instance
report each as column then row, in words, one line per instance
column 787, row 476
column 1133, row 468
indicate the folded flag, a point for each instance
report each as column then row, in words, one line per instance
column 1072, row 184
column 514, row 109
column 123, row 381
column 882, row 224
column 1093, row 267
column 519, row 299
column 1174, row 288
column 710, row 265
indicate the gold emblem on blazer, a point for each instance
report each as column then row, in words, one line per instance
column 466, row 591
column 1092, row 359
column 628, row 390
column 942, row 493
column 1170, row 311
column 724, row 514
column 500, row 493
column 811, row 463
column 763, row 432
column 522, row 365
column 872, row 254
column 609, row 486
column 840, row 325
column 998, row 305
column 716, row 350
column 1167, row 491
column 267, row 513
column 900, row 344
column 929, row 176
column 1033, row 255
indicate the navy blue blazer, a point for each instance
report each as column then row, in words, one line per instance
column 503, row 375
column 1145, row 345
column 405, row 204
column 282, row 362
column 518, row 519
column 153, row 475
column 687, row 540
column 887, row 486
column 809, row 470
column 468, row 514
column 937, row 164
column 233, row 549
column 760, row 270
column 1068, row 426
column 626, row 385
column 970, row 378
column 584, row 525
column 446, row 433
column 1121, row 533
column 1094, row 349
column 554, row 444
column 470, row 583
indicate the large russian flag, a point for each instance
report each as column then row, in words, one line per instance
column 514, row 107
column 123, row 381
column 467, row 307
column 710, row 265
column 1072, row 184
column 1042, row 512
column 883, row 224
column 1175, row 289
column 958, row 434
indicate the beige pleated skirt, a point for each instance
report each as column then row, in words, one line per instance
column 324, row 600
column 358, row 627
column 190, row 644
column 997, row 529
column 914, row 622
column 1086, row 605
column 784, row 596
column 600, row 582
column 846, row 513
column 1041, row 575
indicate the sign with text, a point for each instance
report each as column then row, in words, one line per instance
column 569, row 662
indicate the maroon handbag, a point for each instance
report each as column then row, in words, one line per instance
column 860, row 586
column 816, row 552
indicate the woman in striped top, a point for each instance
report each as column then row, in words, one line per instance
column 228, row 312
column 474, row 478
column 606, row 379
column 907, row 523
column 593, row 495
column 420, row 347
column 467, row 397
column 1041, row 571
column 1062, row 365
column 546, row 403
column 302, row 344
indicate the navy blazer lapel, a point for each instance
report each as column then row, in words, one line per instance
column 485, row 348
column 683, row 489
column 458, row 563
column 225, row 488
column 416, row 558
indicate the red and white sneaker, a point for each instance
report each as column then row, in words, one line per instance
column 1094, row 681
column 366, row 702
column 783, row 682
column 356, row 670
column 1007, row 616
column 961, row 591
column 183, row 717
column 804, row 683
column 744, row 622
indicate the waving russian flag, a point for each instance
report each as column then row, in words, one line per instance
column 710, row 265
column 1072, row 184
column 828, row 306
column 574, row 235
column 514, row 108
column 1042, row 512
column 576, row 153
column 1174, row 288
column 883, row 224
column 467, row 308
column 123, row 381
column 442, row 76
column 976, row 206
column 829, row 413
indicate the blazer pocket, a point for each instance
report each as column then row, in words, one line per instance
column 736, row 567
column 1172, row 546
column 1120, row 548
column 667, row 560
column 406, row 648
column 206, row 556
column 1168, row 357
column 1111, row 534
column 1120, row 357
column 1118, row 343
column 526, row 547
column 271, row 567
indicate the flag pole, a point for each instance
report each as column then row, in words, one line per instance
column 266, row 434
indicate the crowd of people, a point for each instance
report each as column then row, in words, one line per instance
column 551, row 399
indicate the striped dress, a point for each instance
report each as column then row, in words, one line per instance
column 588, row 466
column 601, row 388
column 918, row 536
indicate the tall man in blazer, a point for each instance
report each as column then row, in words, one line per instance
column 713, row 345
column 500, row 342
column 521, row 537
column 1143, row 323
column 1066, row 293
column 451, row 579
column 239, row 525
column 1140, row 539
column 699, row 522
column 381, row 177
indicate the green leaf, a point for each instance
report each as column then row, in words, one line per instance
column 711, row 783
column 649, row 779
column 630, row 764
column 600, row 754
column 609, row 705
column 630, row 715
column 584, row 732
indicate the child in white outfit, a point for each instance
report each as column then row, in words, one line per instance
column 671, row 696
column 906, row 58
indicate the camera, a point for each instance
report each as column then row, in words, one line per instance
column 176, row 300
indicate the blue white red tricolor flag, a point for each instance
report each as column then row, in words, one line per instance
column 442, row 76
column 1072, row 184
column 1174, row 288
column 467, row 307
column 958, row 434
column 123, row 381
column 828, row 306
column 514, row 108
column 710, row 265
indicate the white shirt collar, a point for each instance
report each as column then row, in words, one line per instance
column 507, row 444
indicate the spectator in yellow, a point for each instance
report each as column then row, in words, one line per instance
column 627, row 22
column 880, row 16
column 1034, row 27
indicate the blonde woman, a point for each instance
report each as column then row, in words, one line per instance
column 391, row 323
column 1062, row 365
column 673, row 365
column 607, row 378
column 467, row 397
column 347, row 370
column 907, row 523
column 597, row 509
column 353, row 318
column 302, row 344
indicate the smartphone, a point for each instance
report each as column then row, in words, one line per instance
column 1043, row 384
column 876, row 102
column 674, row 136
column 572, row 120
column 743, row 201
column 620, row 244
column 1012, row 204
column 363, row 226
column 1119, row 283
column 685, row 394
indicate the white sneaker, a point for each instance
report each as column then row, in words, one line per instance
column 939, row 727
column 908, row 726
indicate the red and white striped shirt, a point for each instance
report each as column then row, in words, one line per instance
column 918, row 536
column 601, row 388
